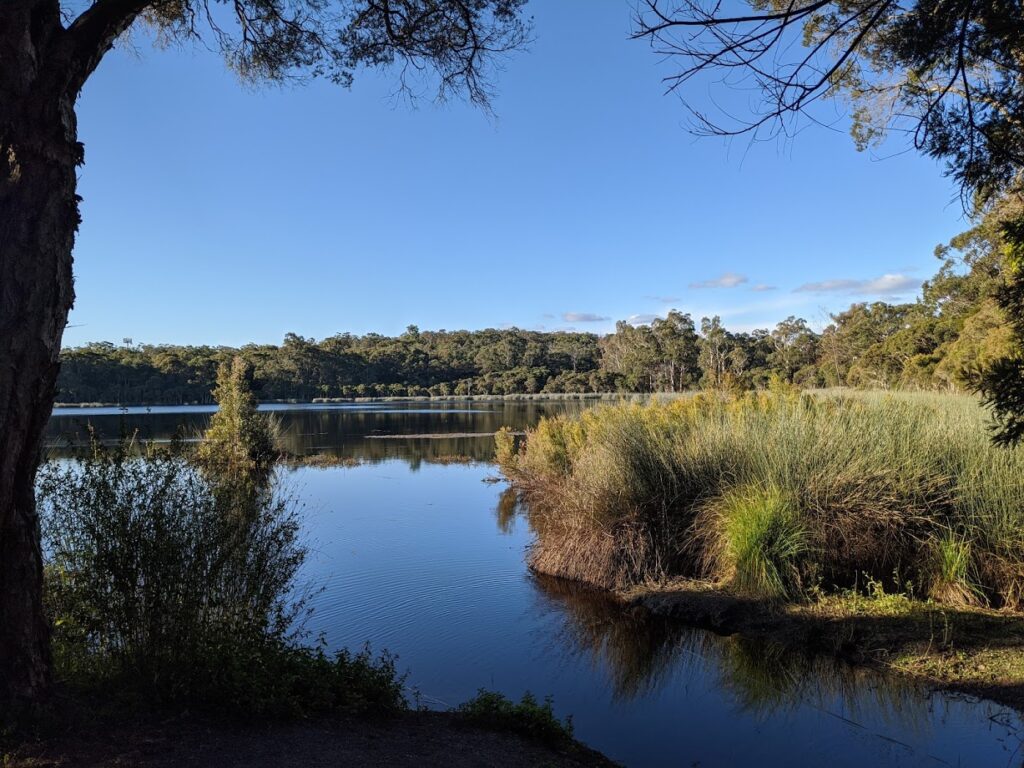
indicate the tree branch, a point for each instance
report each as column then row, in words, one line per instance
column 93, row 33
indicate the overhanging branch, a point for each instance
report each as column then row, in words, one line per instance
column 93, row 33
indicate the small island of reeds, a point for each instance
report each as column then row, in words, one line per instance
column 883, row 526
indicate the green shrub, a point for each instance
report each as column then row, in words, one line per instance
column 239, row 438
column 536, row 720
column 954, row 580
column 167, row 587
column 505, row 453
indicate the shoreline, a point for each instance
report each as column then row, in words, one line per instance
column 411, row 740
column 975, row 651
column 523, row 397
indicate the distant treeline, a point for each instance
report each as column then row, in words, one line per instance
column 941, row 341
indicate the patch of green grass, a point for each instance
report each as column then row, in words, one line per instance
column 529, row 717
column 954, row 581
column 763, row 541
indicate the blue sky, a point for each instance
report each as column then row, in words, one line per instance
column 215, row 213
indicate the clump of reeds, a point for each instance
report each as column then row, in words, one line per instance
column 766, row 490
column 954, row 581
column 758, row 540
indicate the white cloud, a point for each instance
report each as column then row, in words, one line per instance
column 664, row 299
column 584, row 317
column 886, row 285
column 726, row 280
column 762, row 287
column 641, row 319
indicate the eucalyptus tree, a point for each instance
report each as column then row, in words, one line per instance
column 48, row 50
column 794, row 347
column 947, row 73
column 679, row 349
column 714, row 352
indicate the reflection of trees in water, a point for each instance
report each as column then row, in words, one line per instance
column 643, row 653
column 340, row 432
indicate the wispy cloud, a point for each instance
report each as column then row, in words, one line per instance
column 641, row 319
column 886, row 285
column 584, row 317
column 725, row 280
column 664, row 299
column 762, row 287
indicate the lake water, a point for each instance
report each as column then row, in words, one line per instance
column 426, row 558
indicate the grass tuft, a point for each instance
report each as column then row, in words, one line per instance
column 762, row 541
column 954, row 582
column 531, row 718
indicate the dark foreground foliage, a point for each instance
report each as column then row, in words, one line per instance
column 169, row 586
column 537, row 720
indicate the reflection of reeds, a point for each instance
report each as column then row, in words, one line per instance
column 637, row 648
column 507, row 509
column 766, row 678
column 644, row 652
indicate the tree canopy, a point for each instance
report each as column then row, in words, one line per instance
column 282, row 40
column 950, row 73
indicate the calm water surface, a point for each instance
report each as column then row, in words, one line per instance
column 427, row 560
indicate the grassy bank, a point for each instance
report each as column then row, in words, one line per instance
column 779, row 496
column 884, row 528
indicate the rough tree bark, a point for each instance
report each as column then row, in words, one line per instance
column 39, row 153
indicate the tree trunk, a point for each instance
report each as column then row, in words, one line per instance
column 39, row 153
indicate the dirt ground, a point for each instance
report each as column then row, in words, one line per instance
column 420, row 739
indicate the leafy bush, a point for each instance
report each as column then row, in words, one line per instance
column 536, row 720
column 168, row 586
column 239, row 438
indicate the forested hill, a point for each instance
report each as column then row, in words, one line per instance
column 943, row 340
column 415, row 363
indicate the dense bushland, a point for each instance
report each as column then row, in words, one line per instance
column 439, row 363
column 779, row 495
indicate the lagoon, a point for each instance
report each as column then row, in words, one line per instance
column 415, row 551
